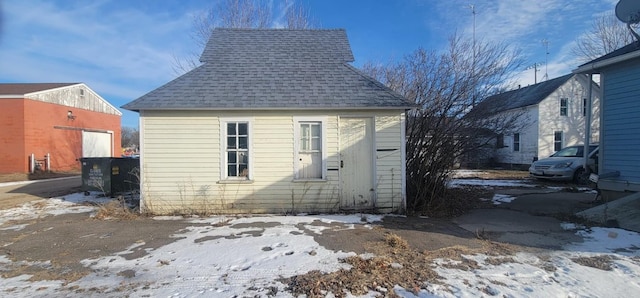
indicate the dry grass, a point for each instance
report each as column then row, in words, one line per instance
column 599, row 262
column 396, row 241
column 395, row 263
column 116, row 209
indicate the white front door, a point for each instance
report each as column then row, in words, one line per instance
column 356, row 163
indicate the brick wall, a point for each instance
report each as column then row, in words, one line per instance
column 47, row 129
column 12, row 136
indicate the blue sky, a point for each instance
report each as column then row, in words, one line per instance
column 124, row 49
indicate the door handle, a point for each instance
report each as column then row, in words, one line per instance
column 342, row 164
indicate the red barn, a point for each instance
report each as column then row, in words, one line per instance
column 56, row 123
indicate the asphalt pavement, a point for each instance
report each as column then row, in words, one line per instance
column 17, row 193
column 532, row 219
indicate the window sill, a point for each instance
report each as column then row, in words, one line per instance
column 235, row 181
column 309, row 180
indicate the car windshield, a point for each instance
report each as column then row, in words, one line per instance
column 575, row 151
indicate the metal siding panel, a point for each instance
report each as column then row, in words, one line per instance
column 621, row 127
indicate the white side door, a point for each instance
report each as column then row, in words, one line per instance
column 356, row 163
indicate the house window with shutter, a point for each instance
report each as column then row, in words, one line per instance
column 309, row 157
column 564, row 106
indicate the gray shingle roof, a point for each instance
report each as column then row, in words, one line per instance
column 632, row 47
column 522, row 97
column 255, row 45
column 273, row 69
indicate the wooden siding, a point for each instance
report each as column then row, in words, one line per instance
column 389, row 162
column 621, row 128
column 181, row 167
column 528, row 138
column 76, row 96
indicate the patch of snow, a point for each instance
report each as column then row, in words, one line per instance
column 500, row 198
column 467, row 173
column 607, row 240
column 490, row 183
column 571, row 226
column 43, row 207
column 221, row 260
column 245, row 257
column 529, row 276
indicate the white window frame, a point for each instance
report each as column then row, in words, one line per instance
column 564, row 107
column 224, row 175
column 516, row 142
column 555, row 141
column 296, row 146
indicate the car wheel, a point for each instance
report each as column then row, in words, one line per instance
column 580, row 177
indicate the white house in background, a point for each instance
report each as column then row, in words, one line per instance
column 273, row 121
column 554, row 113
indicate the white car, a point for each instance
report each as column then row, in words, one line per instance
column 566, row 165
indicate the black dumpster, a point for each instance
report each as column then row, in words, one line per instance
column 110, row 175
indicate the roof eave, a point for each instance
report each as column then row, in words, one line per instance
column 596, row 66
column 138, row 109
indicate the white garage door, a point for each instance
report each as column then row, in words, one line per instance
column 96, row 144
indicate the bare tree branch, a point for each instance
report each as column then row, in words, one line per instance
column 130, row 136
column 297, row 16
column 445, row 85
column 607, row 34
column 237, row 14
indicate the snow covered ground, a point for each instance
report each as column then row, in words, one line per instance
column 219, row 261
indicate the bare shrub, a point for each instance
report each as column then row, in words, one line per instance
column 116, row 209
column 446, row 86
column 395, row 241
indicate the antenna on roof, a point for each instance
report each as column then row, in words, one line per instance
column 628, row 12
column 545, row 42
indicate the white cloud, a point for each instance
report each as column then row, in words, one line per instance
column 525, row 24
column 118, row 50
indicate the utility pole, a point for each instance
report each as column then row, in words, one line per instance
column 473, row 62
column 535, row 72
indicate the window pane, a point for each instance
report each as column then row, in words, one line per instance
column 242, row 142
column 243, row 171
column 231, row 129
column 232, row 170
column 315, row 144
column 564, row 106
column 315, row 130
column 231, row 143
column 237, row 160
column 242, row 129
column 558, row 136
column 557, row 141
column 244, row 157
column 304, row 131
